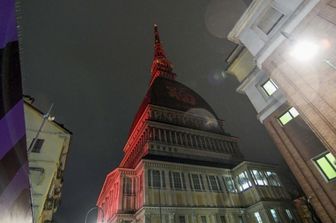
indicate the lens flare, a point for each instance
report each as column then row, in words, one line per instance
column 304, row 50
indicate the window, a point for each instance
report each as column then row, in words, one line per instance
column 272, row 178
column 289, row 215
column 203, row 219
column 195, row 182
column 177, row 180
column 288, row 116
column 182, row 219
column 222, row 219
column 37, row 145
column 156, row 179
column 259, row 177
column 275, row 216
column 230, row 185
column 327, row 165
column 243, row 181
column 213, row 183
column 127, row 186
column 269, row 87
column 258, row 217
column 269, row 20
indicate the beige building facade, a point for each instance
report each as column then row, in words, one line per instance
column 285, row 63
column 47, row 158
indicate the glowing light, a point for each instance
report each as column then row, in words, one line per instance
column 304, row 50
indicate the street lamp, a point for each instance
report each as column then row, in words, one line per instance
column 305, row 50
column 45, row 118
column 93, row 208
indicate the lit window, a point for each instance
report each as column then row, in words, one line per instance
column 289, row 215
column 37, row 145
column 327, row 165
column 243, row 181
column 288, row 116
column 269, row 87
column 259, row 178
column 230, row 185
column 269, row 20
column 275, row 215
column 258, row 217
column 273, row 179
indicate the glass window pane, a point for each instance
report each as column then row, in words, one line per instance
column 331, row 159
column 37, row 145
column 229, row 183
column 269, row 87
column 293, row 112
column 196, row 181
column 244, row 180
column 156, row 178
column 177, row 183
column 327, row 169
column 258, row 179
column 285, row 118
column 258, row 217
column 275, row 215
column 182, row 219
column 213, row 183
column 222, row 218
column 289, row 214
column 269, row 20
column 272, row 178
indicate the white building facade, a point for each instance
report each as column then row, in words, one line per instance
column 47, row 158
column 285, row 63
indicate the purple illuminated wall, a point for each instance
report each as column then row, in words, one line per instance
column 15, row 202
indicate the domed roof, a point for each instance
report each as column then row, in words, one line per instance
column 172, row 94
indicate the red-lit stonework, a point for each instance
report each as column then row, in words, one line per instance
column 179, row 163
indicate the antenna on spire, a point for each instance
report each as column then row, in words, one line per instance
column 156, row 34
column 161, row 67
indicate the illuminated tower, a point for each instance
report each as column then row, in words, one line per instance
column 180, row 165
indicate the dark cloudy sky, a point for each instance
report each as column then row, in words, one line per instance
column 92, row 59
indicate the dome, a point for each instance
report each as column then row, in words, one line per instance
column 174, row 95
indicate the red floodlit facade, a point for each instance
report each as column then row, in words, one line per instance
column 180, row 165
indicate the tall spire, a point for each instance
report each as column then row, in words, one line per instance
column 161, row 67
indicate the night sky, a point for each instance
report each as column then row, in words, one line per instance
column 92, row 59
